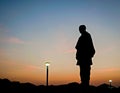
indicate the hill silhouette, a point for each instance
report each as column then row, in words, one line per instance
column 7, row 86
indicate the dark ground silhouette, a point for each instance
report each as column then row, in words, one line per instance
column 7, row 86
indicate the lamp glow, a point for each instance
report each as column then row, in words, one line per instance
column 47, row 63
column 110, row 81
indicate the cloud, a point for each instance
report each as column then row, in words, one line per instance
column 111, row 69
column 108, row 70
column 31, row 68
column 70, row 51
column 13, row 40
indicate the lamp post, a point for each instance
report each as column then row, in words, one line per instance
column 110, row 81
column 47, row 65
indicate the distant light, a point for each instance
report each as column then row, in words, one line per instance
column 110, row 81
column 47, row 63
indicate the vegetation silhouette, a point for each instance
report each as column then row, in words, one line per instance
column 7, row 86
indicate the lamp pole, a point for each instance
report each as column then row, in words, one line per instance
column 110, row 81
column 47, row 65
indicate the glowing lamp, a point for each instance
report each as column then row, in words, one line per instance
column 110, row 81
column 47, row 65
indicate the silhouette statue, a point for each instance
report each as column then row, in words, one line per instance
column 85, row 52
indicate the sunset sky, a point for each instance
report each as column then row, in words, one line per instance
column 33, row 32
